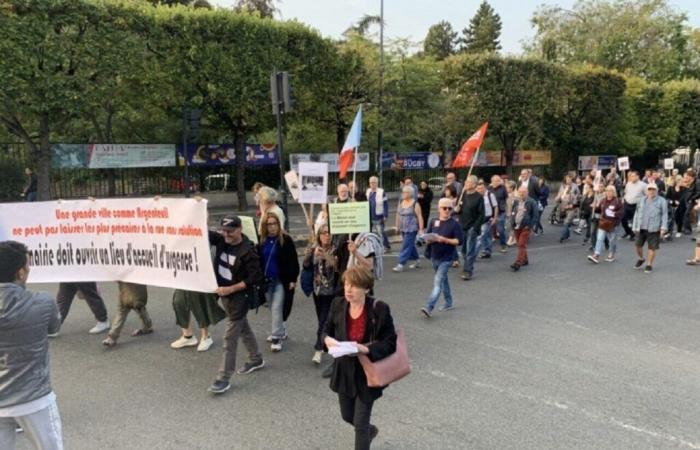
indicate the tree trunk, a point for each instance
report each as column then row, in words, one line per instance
column 239, row 145
column 43, row 160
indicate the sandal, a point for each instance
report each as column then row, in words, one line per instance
column 109, row 342
column 141, row 332
column 693, row 262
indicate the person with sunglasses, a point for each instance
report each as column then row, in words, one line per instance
column 443, row 236
column 280, row 265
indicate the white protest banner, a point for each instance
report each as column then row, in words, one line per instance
column 330, row 158
column 623, row 163
column 249, row 228
column 292, row 183
column 668, row 164
column 314, row 183
column 159, row 242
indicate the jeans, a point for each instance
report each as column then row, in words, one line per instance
column 594, row 232
column 357, row 413
column 42, row 428
column 469, row 250
column 522, row 235
column 408, row 252
column 568, row 220
column 378, row 228
column 485, row 240
column 501, row 229
column 236, row 307
column 66, row 294
column 441, row 284
column 275, row 295
column 611, row 236
column 323, row 307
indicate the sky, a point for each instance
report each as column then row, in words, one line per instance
column 412, row 18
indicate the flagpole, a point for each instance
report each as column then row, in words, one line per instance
column 476, row 155
column 354, row 170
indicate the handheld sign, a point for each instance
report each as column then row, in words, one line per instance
column 623, row 163
column 293, row 184
column 668, row 164
column 249, row 229
column 348, row 218
column 314, row 183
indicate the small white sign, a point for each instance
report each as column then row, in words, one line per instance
column 623, row 163
column 668, row 164
column 313, row 184
column 292, row 184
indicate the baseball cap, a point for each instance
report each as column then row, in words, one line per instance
column 652, row 186
column 231, row 221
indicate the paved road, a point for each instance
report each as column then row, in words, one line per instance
column 561, row 355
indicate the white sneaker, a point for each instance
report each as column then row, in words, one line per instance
column 415, row 265
column 276, row 346
column 317, row 357
column 100, row 327
column 678, row 235
column 183, row 342
column 271, row 338
column 398, row 268
column 52, row 335
column 205, row 344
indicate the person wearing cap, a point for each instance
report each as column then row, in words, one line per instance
column 237, row 269
column 447, row 236
column 649, row 224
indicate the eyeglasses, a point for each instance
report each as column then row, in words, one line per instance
column 446, row 208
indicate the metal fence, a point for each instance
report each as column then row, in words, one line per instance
column 81, row 183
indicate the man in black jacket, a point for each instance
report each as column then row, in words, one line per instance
column 237, row 268
column 471, row 216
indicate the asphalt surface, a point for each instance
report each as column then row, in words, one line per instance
column 561, row 355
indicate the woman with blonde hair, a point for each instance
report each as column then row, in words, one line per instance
column 268, row 203
column 280, row 266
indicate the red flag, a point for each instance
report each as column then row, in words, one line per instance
column 469, row 148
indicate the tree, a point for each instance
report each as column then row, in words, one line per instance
column 47, row 64
column 362, row 26
column 512, row 94
column 193, row 3
column 265, row 8
column 221, row 62
column 683, row 99
column 646, row 38
column 484, row 31
column 589, row 116
column 440, row 41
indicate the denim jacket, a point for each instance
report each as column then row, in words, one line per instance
column 658, row 214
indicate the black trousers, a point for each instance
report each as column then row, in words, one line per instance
column 323, row 307
column 66, row 293
column 628, row 216
column 357, row 413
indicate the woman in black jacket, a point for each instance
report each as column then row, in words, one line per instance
column 358, row 317
column 280, row 266
column 425, row 199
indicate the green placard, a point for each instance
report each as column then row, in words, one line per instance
column 348, row 218
column 249, row 228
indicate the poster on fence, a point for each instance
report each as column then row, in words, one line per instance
column 348, row 218
column 330, row 158
column 159, row 242
column 111, row 156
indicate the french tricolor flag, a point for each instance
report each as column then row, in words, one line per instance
column 352, row 142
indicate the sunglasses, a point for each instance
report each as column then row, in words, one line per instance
column 446, row 208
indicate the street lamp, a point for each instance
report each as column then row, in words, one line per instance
column 380, row 135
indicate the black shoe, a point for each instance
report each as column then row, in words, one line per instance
column 526, row 263
column 466, row 276
column 250, row 367
column 638, row 265
column 373, row 432
column 648, row 269
column 515, row 267
column 485, row 256
column 219, row 387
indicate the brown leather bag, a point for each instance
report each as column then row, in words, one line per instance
column 390, row 369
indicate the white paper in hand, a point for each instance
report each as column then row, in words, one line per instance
column 430, row 237
column 343, row 349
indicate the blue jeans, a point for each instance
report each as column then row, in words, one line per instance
column 600, row 241
column 485, row 240
column 378, row 228
column 441, row 284
column 469, row 250
column 408, row 247
column 275, row 296
column 501, row 229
